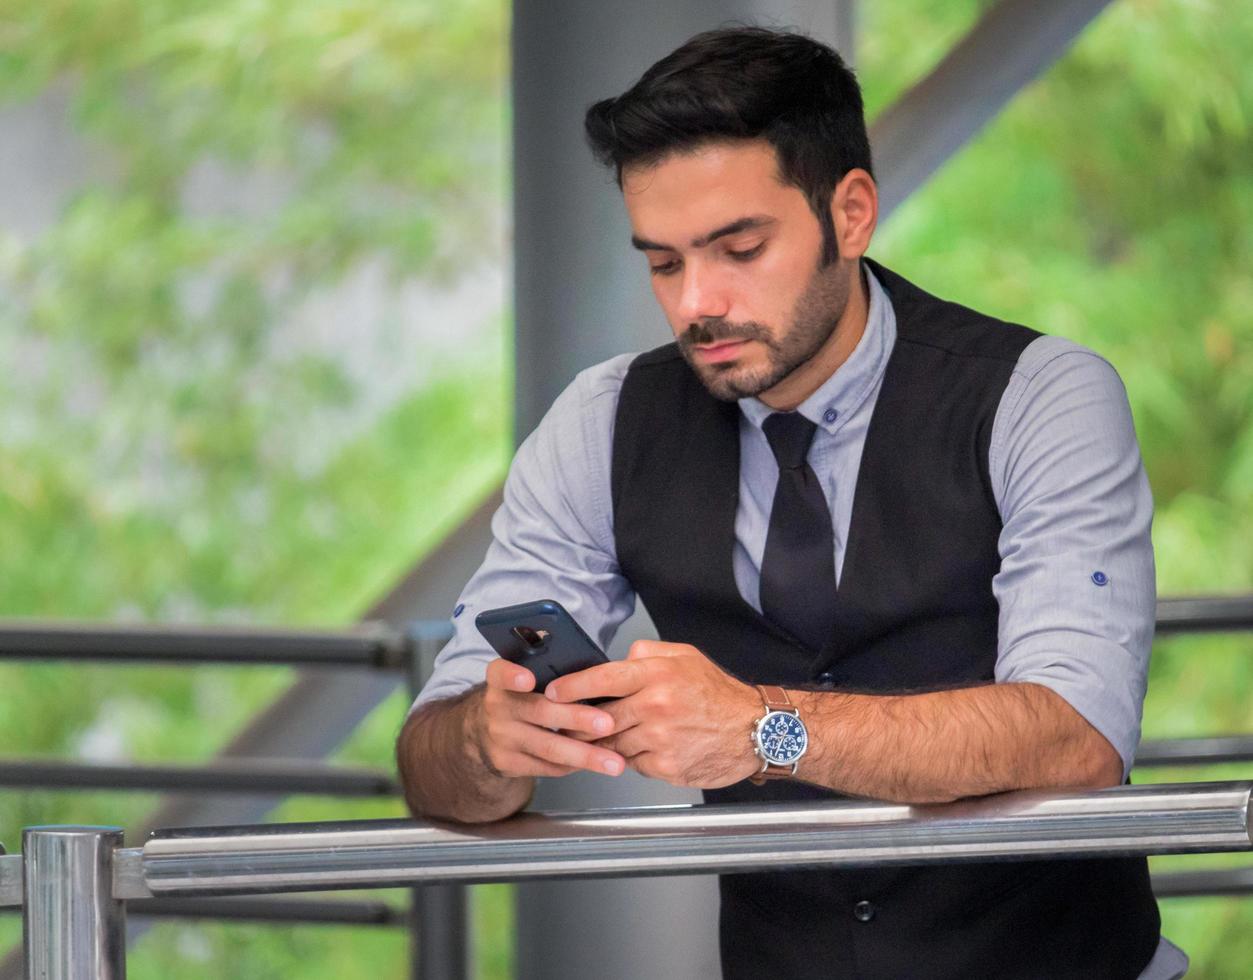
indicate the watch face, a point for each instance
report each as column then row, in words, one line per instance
column 782, row 738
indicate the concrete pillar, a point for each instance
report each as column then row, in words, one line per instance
column 581, row 296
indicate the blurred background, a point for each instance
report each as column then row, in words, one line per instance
column 256, row 352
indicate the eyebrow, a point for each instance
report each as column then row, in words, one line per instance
column 734, row 228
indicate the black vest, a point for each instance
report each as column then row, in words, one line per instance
column 914, row 612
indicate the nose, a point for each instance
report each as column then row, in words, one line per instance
column 702, row 295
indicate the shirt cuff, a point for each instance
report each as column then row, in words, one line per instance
column 1079, row 667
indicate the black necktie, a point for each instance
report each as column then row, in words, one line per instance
column 798, row 567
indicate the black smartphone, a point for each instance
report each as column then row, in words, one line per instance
column 542, row 637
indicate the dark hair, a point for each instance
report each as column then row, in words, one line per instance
column 744, row 83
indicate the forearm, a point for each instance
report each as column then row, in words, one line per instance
column 443, row 770
column 945, row 745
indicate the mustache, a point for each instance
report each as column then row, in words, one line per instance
column 715, row 331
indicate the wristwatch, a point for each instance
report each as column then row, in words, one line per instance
column 779, row 736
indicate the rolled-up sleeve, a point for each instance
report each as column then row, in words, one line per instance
column 552, row 537
column 1076, row 585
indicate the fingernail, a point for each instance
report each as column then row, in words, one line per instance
column 602, row 724
column 613, row 766
column 520, row 682
column 551, row 691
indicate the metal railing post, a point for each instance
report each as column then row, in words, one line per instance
column 439, row 928
column 72, row 926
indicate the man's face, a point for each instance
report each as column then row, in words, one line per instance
column 734, row 257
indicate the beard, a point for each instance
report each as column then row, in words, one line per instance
column 817, row 313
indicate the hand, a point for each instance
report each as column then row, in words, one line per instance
column 518, row 731
column 679, row 716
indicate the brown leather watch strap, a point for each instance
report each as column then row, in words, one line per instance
column 771, row 772
column 775, row 699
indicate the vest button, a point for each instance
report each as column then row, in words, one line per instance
column 863, row 911
column 826, row 678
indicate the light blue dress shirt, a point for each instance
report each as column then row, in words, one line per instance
column 1076, row 584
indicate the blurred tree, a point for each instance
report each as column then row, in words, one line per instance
column 163, row 418
column 1112, row 203
column 176, row 440
column 160, row 426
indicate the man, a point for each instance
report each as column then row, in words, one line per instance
column 913, row 539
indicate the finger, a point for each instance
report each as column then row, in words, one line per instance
column 628, row 744
column 625, row 713
column 520, row 764
column 562, row 751
column 643, row 649
column 585, row 736
column 612, row 680
column 658, row 765
column 540, row 711
column 508, row 676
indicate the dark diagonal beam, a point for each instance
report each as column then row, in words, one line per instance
column 1011, row 45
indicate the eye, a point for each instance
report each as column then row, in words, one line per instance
column 747, row 254
column 664, row 268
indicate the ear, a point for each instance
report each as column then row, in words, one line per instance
column 855, row 211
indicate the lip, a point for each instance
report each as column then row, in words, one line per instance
column 728, row 350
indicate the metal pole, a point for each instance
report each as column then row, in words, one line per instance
column 250, row 776
column 439, row 937
column 72, row 926
column 1205, row 614
column 439, row 931
column 370, row 644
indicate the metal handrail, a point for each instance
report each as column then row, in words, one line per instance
column 1211, row 751
column 378, row 646
column 269, row 776
column 74, row 882
column 1193, row 884
column 702, row 839
column 1204, row 614
column 699, row 839
column 370, row 645
column 684, row 839
column 303, row 911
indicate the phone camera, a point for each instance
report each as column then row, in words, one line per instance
column 533, row 638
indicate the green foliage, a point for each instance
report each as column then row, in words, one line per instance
column 172, row 446
column 1119, row 216
column 1111, row 203
column 164, row 409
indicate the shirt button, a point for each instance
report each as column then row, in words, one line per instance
column 830, row 415
column 826, row 679
column 864, row 911
column 1100, row 578
column 461, row 607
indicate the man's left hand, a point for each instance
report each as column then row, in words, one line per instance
column 679, row 717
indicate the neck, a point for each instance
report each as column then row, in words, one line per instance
column 810, row 376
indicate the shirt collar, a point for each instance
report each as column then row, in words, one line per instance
column 842, row 394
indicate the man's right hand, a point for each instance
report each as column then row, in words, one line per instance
column 520, row 733
column 474, row 757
